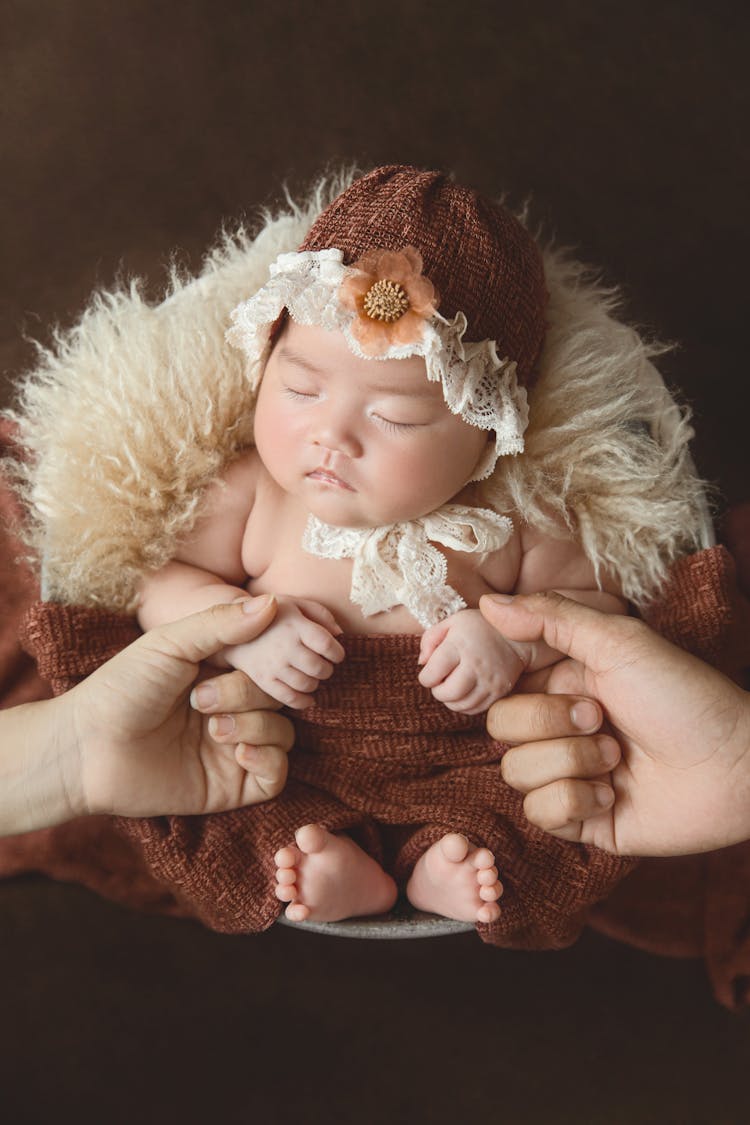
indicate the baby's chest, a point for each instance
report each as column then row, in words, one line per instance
column 276, row 562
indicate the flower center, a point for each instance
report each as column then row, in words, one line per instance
column 386, row 300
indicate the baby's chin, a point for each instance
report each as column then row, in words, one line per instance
column 337, row 513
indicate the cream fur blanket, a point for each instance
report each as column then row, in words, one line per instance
column 131, row 414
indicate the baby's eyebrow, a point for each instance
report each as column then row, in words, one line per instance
column 299, row 360
column 408, row 392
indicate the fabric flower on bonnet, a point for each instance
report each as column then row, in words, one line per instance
column 390, row 297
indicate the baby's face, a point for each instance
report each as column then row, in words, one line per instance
column 362, row 442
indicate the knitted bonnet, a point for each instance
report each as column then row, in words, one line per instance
column 480, row 259
column 406, row 262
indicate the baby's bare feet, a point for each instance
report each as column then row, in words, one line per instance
column 456, row 880
column 325, row 878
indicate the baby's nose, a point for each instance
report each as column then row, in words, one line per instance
column 338, row 437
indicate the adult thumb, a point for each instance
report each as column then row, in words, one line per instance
column 578, row 631
column 203, row 634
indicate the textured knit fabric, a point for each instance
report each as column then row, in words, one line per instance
column 377, row 755
column 479, row 257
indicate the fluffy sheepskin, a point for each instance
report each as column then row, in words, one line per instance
column 131, row 414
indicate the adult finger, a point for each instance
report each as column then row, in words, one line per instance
column 567, row 677
column 561, row 807
column 267, row 766
column 593, row 638
column 233, row 691
column 201, row 635
column 536, row 764
column 529, row 718
column 255, row 728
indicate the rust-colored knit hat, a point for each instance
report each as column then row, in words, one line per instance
column 406, row 263
column 478, row 256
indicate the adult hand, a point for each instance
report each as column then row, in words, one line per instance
column 679, row 782
column 142, row 750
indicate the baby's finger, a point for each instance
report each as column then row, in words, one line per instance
column 440, row 665
column 431, row 638
column 532, row 718
column 317, row 612
column 318, row 638
column 457, row 686
column 298, row 680
column 476, row 701
column 288, row 696
column 256, row 728
column 537, row 764
column 562, row 807
column 234, row 691
column 312, row 664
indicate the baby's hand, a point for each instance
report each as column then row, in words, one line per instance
column 294, row 654
column 467, row 664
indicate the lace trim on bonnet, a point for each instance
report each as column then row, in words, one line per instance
column 476, row 384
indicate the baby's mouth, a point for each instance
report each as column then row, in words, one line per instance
column 325, row 476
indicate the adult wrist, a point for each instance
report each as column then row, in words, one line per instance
column 40, row 770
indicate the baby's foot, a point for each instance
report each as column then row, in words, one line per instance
column 456, row 880
column 325, row 878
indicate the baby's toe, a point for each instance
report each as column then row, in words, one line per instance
column 483, row 858
column 454, row 847
column 489, row 912
column 311, row 838
column 287, row 857
column 297, row 912
column 286, row 892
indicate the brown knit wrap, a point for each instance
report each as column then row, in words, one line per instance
column 377, row 756
column 479, row 257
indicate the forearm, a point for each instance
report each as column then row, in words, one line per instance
column 40, row 771
column 179, row 590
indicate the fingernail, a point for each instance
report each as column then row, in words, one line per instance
column 609, row 750
column 248, row 756
column 502, row 598
column 604, row 796
column 255, row 606
column 585, row 715
column 204, row 695
column 221, row 724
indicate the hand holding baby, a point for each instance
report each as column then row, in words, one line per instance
column 290, row 659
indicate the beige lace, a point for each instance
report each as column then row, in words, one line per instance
column 397, row 564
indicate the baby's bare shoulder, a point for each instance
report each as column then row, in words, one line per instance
column 215, row 543
column 233, row 494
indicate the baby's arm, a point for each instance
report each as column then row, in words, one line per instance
column 207, row 568
column 298, row 650
column 467, row 664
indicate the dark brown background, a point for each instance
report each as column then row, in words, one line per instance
column 132, row 129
